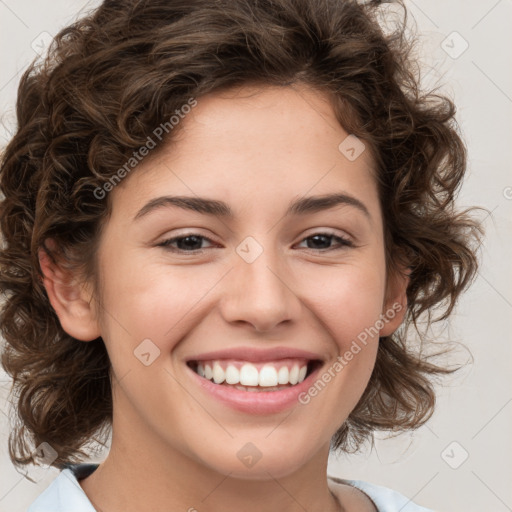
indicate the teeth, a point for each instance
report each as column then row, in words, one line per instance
column 268, row 376
column 282, row 375
column 218, row 373
column 294, row 374
column 255, row 389
column 272, row 376
column 249, row 375
column 232, row 375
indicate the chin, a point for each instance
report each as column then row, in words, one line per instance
column 252, row 463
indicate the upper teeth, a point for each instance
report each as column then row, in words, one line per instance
column 248, row 374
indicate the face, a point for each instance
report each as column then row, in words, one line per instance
column 250, row 294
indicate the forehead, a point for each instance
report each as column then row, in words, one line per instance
column 254, row 146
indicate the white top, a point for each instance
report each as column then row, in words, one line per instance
column 64, row 494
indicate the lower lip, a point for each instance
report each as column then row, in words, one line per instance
column 256, row 402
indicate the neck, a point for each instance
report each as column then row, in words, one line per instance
column 147, row 474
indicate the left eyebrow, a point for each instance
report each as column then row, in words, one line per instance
column 318, row 203
column 218, row 208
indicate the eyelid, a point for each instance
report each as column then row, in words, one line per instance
column 166, row 242
column 329, row 231
column 345, row 241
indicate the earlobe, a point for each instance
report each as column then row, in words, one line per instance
column 395, row 304
column 70, row 300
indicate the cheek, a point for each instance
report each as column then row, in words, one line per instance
column 347, row 300
column 154, row 301
column 347, row 306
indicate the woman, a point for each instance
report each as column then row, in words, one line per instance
column 217, row 216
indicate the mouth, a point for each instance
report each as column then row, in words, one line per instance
column 256, row 377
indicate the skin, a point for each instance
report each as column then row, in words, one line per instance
column 173, row 446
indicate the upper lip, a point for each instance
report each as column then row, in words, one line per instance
column 256, row 355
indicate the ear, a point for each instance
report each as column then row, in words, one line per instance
column 70, row 298
column 395, row 301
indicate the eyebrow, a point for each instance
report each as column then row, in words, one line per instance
column 218, row 208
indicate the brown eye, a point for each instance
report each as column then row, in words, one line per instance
column 322, row 242
column 191, row 243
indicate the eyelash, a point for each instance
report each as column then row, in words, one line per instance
column 343, row 243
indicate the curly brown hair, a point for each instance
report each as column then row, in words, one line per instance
column 113, row 76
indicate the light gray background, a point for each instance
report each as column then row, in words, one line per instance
column 475, row 412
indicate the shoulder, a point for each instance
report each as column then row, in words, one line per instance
column 64, row 493
column 384, row 499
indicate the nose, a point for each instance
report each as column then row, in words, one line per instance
column 260, row 293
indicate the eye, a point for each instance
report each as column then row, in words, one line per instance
column 190, row 243
column 325, row 239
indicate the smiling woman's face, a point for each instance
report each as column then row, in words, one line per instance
column 270, row 285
